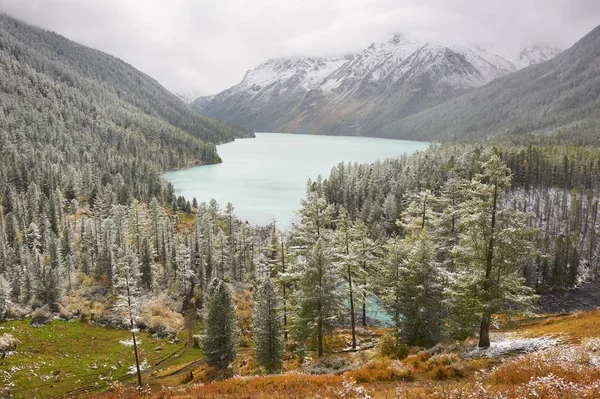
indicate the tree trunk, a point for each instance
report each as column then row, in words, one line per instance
column 320, row 337
column 352, row 321
column 135, row 349
column 484, row 332
column 285, row 332
column 364, row 309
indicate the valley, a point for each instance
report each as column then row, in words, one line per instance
column 157, row 247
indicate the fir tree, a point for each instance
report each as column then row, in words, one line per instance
column 220, row 337
column 317, row 299
column 494, row 244
column 267, row 326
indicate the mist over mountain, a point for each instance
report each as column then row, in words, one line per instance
column 561, row 95
column 360, row 94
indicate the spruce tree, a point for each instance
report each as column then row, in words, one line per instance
column 494, row 244
column 317, row 299
column 267, row 326
column 220, row 337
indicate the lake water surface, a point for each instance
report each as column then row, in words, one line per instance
column 265, row 178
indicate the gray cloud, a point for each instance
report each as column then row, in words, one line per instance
column 204, row 46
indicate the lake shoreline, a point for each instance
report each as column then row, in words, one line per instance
column 265, row 179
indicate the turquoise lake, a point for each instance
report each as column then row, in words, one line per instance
column 265, row 178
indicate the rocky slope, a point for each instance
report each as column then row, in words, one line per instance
column 360, row 93
column 561, row 96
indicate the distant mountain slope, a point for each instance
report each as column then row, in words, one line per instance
column 361, row 93
column 535, row 54
column 85, row 123
column 69, row 62
column 559, row 95
column 269, row 94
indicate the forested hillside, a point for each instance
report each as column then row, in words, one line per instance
column 558, row 185
column 83, row 68
column 561, row 96
column 82, row 136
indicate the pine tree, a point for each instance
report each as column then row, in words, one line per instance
column 267, row 326
column 494, row 243
column 128, row 292
column 316, row 216
column 421, row 295
column 390, row 279
column 347, row 262
column 317, row 299
column 5, row 293
column 220, row 337
column 147, row 265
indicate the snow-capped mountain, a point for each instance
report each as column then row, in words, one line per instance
column 357, row 93
column 537, row 53
column 187, row 97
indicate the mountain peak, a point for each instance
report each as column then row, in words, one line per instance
column 536, row 53
column 391, row 78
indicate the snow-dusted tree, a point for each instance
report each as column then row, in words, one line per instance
column 390, row 280
column 448, row 204
column 494, row 244
column 147, row 265
column 50, row 289
column 366, row 251
column 347, row 262
column 220, row 336
column 316, row 216
column 420, row 213
column 317, row 299
column 128, row 294
column 421, row 292
column 267, row 326
column 5, row 293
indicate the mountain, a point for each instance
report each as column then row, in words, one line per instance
column 537, row 53
column 360, row 93
column 187, row 97
column 55, row 56
column 561, row 95
column 80, row 121
column 268, row 94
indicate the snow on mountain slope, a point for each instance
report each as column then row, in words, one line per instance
column 304, row 72
column 535, row 54
column 390, row 79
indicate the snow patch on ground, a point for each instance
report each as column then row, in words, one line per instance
column 512, row 344
column 129, row 342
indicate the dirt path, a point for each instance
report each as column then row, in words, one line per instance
column 190, row 323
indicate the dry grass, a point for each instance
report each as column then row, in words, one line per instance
column 567, row 371
column 573, row 328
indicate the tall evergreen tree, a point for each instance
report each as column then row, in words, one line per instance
column 220, row 337
column 494, row 244
column 317, row 299
column 267, row 326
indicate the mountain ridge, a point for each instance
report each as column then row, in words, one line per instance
column 561, row 95
column 359, row 93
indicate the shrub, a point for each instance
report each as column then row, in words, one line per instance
column 388, row 346
column 8, row 343
column 74, row 306
column 331, row 365
column 381, row 370
column 418, row 361
column 41, row 316
column 161, row 318
column 16, row 311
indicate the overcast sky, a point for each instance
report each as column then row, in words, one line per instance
column 205, row 46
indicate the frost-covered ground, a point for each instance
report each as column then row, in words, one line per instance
column 504, row 344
